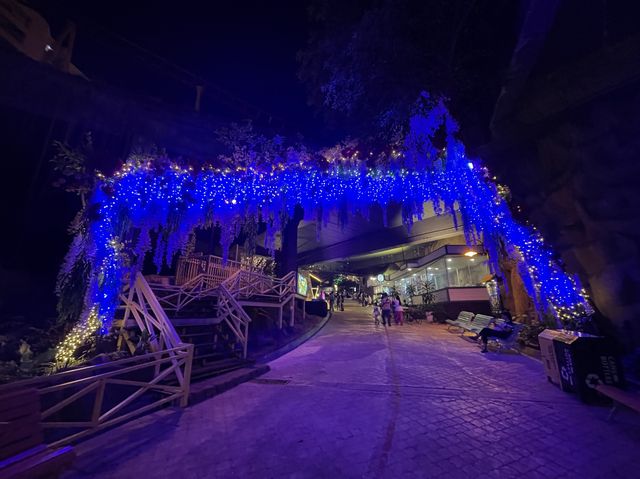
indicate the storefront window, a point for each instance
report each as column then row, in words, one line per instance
column 450, row 271
column 465, row 271
column 436, row 273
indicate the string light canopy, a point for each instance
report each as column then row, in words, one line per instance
column 155, row 206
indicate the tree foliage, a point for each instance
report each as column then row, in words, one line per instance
column 246, row 149
column 366, row 62
column 70, row 163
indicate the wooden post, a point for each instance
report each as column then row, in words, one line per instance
column 97, row 404
column 293, row 310
column 246, row 340
column 186, row 378
column 280, row 317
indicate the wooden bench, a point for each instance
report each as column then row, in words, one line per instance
column 22, row 452
column 464, row 319
column 619, row 396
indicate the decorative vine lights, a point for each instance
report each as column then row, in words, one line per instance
column 145, row 207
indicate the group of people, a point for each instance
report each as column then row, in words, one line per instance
column 336, row 301
column 389, row 307
column 364, row 299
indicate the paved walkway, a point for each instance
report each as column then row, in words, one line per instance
column 356, row 401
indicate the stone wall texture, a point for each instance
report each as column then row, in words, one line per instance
column 578, row 180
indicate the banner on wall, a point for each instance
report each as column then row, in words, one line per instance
column 303, row 285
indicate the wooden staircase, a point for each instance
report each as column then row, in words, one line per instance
column 209, row 311
column 210, row 357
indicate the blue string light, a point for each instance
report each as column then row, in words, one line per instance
column 174, row 200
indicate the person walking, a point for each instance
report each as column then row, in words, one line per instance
column 398, row 310
column 376, row 314
column 385, row 307
column 332, row 298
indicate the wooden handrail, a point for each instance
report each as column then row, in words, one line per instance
column 182, row 349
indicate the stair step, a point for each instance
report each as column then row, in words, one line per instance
column 219, row 367
column 181, row 322
column 204, row 334
column 204, row 346
column 209, row 358
column 259, row 303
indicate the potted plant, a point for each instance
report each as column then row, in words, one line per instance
column 411, row 292
column 427, row 289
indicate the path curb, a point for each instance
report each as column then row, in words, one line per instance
column 203, row 390
column 267, row 358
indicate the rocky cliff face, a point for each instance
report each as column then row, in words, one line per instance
column 577, row 178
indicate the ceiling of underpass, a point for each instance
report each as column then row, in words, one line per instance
column 365, row 246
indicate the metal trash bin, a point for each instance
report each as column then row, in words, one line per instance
column 585, row 360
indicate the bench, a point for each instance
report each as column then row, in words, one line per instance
column 619, row 396
column 22, row 452
column 509, row 342
column 464, row 319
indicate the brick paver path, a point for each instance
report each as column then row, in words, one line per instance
column 411, row 401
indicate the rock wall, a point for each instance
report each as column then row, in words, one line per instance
column 578, row 181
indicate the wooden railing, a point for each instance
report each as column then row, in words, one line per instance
column 142, row 305
column 246, row 284
column 189, row 267
column 84, row 400
column 233, row 314
column 249, row 284
column 80, row 401
column 173, row 298
column 230, row 293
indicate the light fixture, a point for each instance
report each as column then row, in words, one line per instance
column 429, row 267
column 471, row 253
column 449, row 259
column 409, row 269
column 436, row 269
column 372, row 278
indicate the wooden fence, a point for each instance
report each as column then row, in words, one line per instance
column 81, row 401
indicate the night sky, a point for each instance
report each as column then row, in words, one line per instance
column 247, row 48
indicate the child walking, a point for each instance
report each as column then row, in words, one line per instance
column 376, row 314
